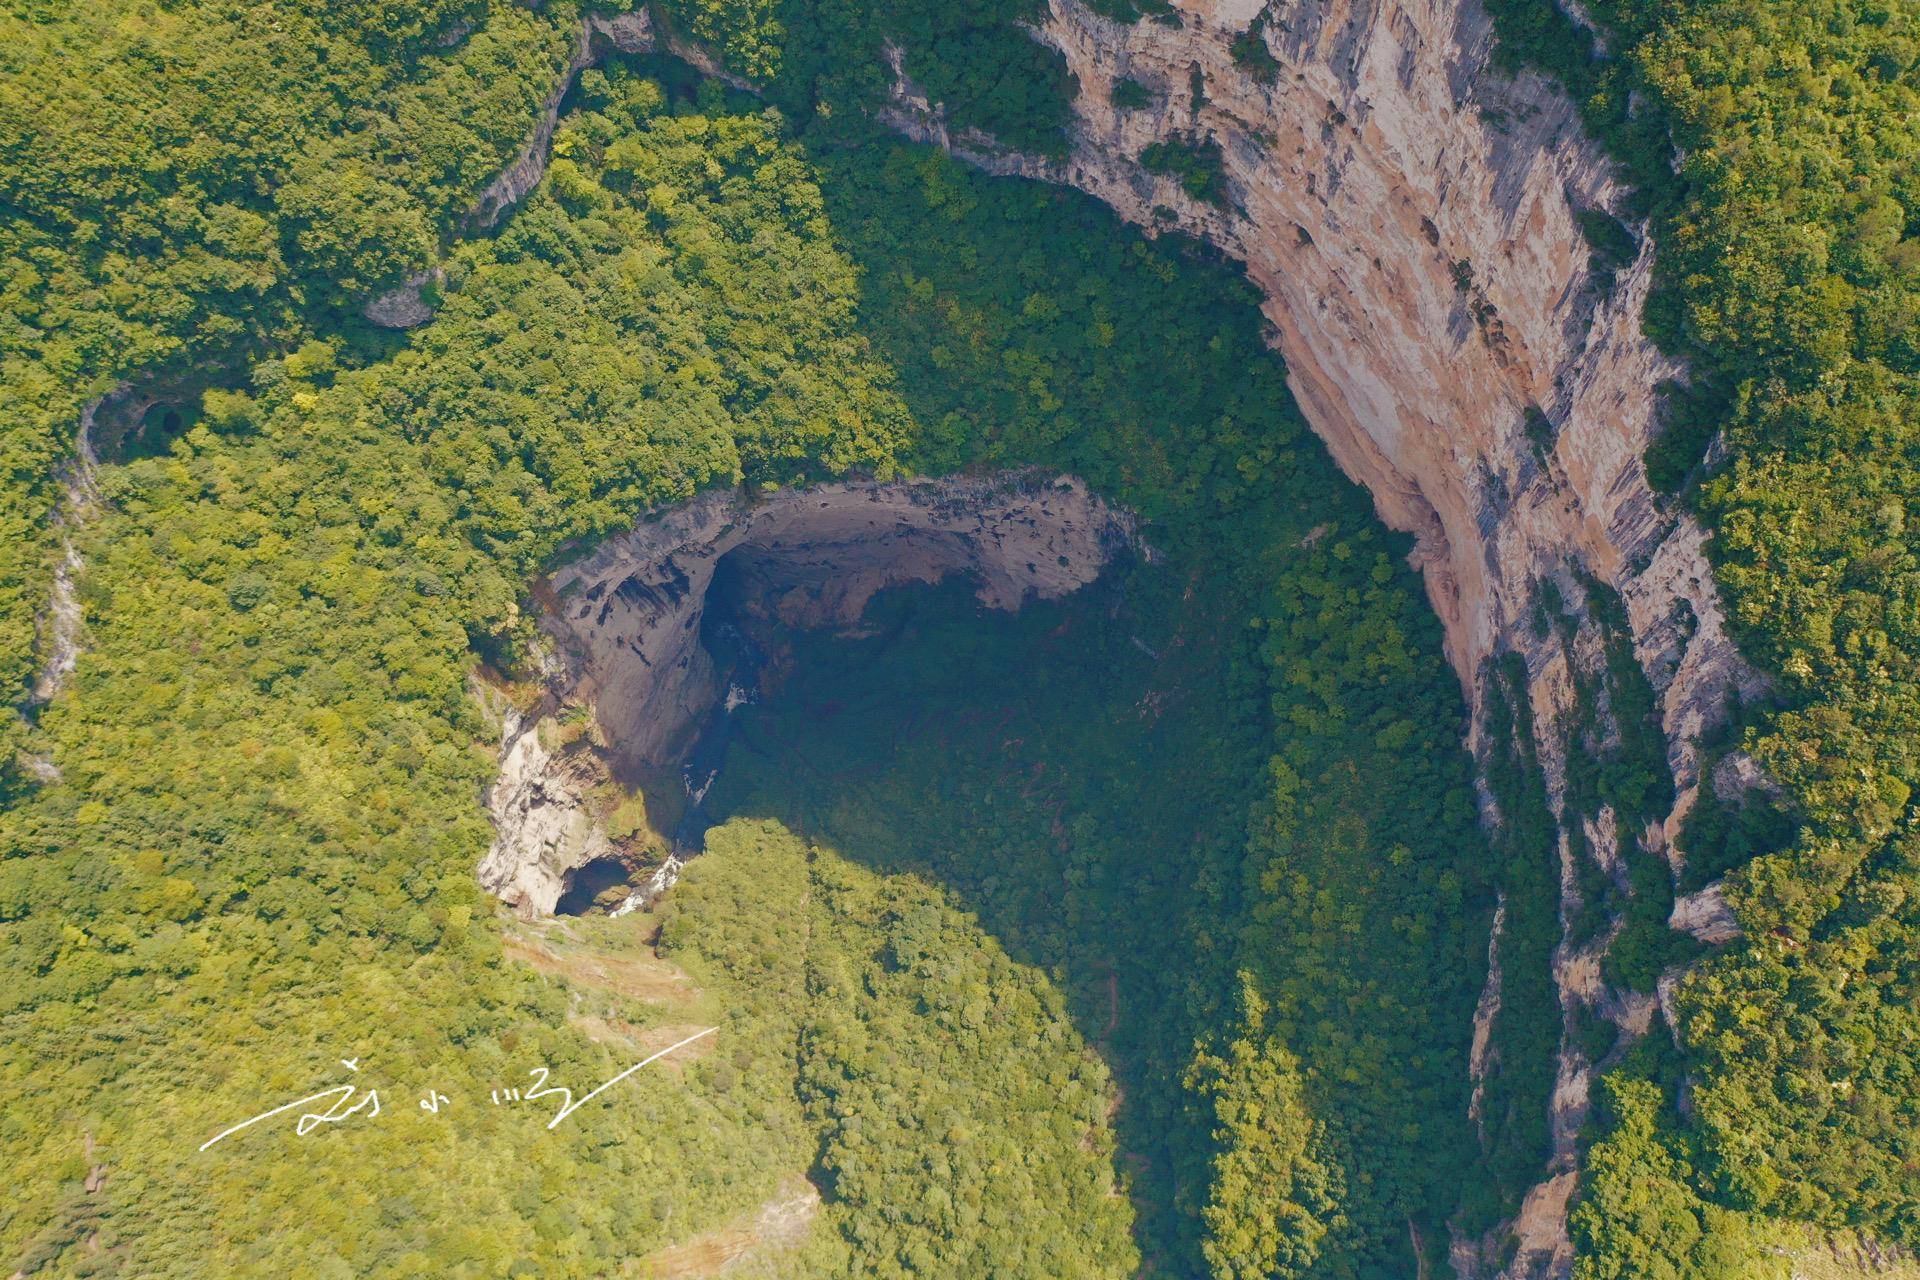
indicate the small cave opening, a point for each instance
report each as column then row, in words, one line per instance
column 599, row 887
column 147, row 420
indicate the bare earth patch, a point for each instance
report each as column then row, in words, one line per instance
column 613, row 958
column 620, row 962
column 775, row 1227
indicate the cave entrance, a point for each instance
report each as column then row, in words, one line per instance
column 662, row 633
column 599, row 886
column 741, row 637
column 668, row 625
column 965, row 685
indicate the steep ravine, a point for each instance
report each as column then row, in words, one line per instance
column 1410, row 214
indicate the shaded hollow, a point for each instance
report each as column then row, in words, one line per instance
column 664, row 629
column 589, row 884
column 629, row 616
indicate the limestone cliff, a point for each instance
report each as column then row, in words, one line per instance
column 1411, row 215
column 547, row 817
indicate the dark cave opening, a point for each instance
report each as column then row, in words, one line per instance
column 592, row 887
column 736, row 634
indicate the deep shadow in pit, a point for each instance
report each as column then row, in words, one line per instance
column 1071, row 773
column 588, row 887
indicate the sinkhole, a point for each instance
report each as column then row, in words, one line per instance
column 662, row 633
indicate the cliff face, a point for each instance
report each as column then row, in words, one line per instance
column 1411, row 215
column 549, row 814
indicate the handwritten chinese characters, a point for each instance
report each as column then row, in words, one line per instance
column 338, row 1103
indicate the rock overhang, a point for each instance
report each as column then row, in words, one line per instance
column 627, row 617
column 626, row 622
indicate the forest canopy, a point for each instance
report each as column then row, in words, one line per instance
column 257, row 855
column 1219, row 1020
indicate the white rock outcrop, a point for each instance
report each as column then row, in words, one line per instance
column 1706, row 915
column 546, row 816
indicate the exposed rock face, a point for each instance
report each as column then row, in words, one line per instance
column 628, row 616
column 61, row 624
column 547, row 823
column 624, row 32
column 1484, row 1012
column 626, row 624
column 1410, row 214
column 1706, row 915
column 405, row 305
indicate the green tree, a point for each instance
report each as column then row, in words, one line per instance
column 1272, row 1196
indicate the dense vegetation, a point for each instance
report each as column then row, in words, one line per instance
column 962, row 1122
column 239, row 847
column 1773, row 148
column 1028, row 360
column 256, row 858
column 1527, row 1027
column 259, row 858
column 822, row 63
column 186, row 186
column 923, row 748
